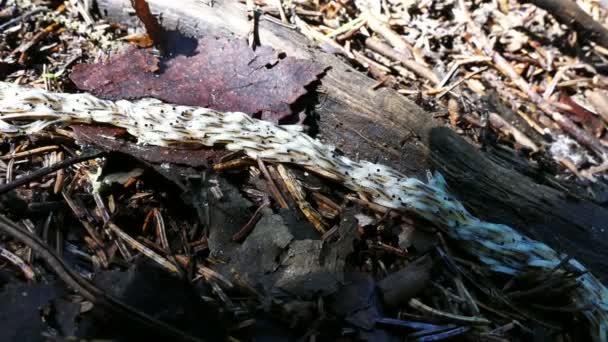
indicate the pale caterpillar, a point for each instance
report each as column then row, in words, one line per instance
column 499, row 247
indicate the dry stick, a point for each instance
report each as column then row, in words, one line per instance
column 317, row 36
column 153, row 28
column 161, row 231
column 504, row 67
column 279, row 6
column 502, row 125
column 60, row 176
column 29, row 153
column 28, row 272
column 468, row 76
column 504, row 92
column 298, row 194
column 232, row 164
column 416, row 304
column 47, row 170
column 211, row 275
column 22, row 49
column 396, row 40
column 274, row 191
column 22, row 17
column 457, row 65
column 84, row 287
column 142, row 248
column 409, row 63
column 248, row 227
column 569, row 13
column 348, row 29
column 252, row 16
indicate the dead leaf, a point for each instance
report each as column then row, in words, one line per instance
column 582, row 115
column 223, row 74
column 599, row 100
column 139, row 39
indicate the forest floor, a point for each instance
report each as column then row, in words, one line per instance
column 217, row 247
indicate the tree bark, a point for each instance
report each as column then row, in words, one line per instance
column 383, row 126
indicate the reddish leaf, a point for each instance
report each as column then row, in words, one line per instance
column 224, row 74
column 580, row 114
column 108, row 139
column 107, row 79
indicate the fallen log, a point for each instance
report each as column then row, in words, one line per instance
column 383, row 126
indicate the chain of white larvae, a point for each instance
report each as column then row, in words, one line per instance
column 502, row 249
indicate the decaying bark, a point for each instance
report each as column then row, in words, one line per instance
column 382, row 126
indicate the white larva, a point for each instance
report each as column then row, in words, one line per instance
column 26, row 110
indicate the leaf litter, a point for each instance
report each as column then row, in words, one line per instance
column 223, row 74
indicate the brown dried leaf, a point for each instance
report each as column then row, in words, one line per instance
column 582, row 115
column 142, row 40
column 224, row 74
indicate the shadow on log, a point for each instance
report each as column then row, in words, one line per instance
column 498, row 194
column 383, row 126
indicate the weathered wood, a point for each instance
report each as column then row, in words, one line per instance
column 383, row 126
column 572, row 226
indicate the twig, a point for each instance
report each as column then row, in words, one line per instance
column 211, row 275
column 248, row 227
column 252, row 15
column 82, row 7
column 29, row 153
column 445, row 90
column 153, row 28
column 314, row 35
column 47, row 170
column 415, row 67
column 396, row 40
column 22, row 49
column 161, row 231
column 23, row 17
column 506, row 128
column 416, row 304
column 143, row 249
column 458, row 64
column 437, row 335
column 28, row 272
column 274, row 191
column 505, row 67
column 238, row 163
column 85, row 288
column 327, row 207
column 60, row 176
column 279, row 5
column 296, row 191
column 352, row 25
column 569, row 13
